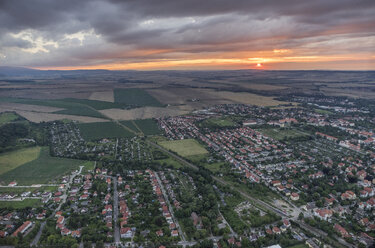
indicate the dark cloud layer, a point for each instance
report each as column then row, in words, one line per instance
column 85, row 32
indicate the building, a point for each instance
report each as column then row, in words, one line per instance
column 22, row 229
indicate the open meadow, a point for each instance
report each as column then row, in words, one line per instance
column 41, row 170
column 13, row 159
column 7, row 117
column 184, row 148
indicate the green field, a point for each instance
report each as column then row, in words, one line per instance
column 280, row 134
column 146, row 126
column 131, row 125
column 41, row 170
column 323, row 111
column 217, row 123
column 135, row 97
column 13, row 159
column 99, row 105
column 70, row 106
column 88, row 165
column 18, row 190
column 201, row 159
column 184, row 148
column 33, row 203
column 8, row 117
column 100, row 130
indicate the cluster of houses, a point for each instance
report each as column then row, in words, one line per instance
column 164, row 206
column 60, row 225
column 252, row 153
column 67, row 141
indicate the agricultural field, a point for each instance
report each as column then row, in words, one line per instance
column 135, row 98
column 246, row 98
column 98, row 105
column 8, row 117
column 184, row 148
column 100, row 130
column 131, row 125
column 148, row 126
column 38, row 117
column 142, row 113
column 41, row 170
column 67, row 106
column 13, row 159
column 106, row 96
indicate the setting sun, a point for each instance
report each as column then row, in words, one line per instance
column 259, row 65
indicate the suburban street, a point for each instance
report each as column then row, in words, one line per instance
column 115, row 211
column 170, row 208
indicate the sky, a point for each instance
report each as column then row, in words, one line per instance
column 188, row 34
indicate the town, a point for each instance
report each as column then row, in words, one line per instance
column 231, row 175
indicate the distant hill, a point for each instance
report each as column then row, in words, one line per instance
column 9, row 71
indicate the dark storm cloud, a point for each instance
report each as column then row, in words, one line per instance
column 124, row 27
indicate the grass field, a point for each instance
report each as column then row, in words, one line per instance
column 41, row 170
column 280, row 134
column 184, row 148
column 218, row 122
column 100, row 130
column 8, row 117
column 13, row 159
column 135, row 97
column 323, row 111
column 33, row 203
column 88, row 165
column 18, row 190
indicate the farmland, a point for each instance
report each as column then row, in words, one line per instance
column 135, row 97
column 106, row 96
column 185, row 148
column 11, row 160
column 41, row 170
column 100, row 130
column 69, row 107
column 146, row 126
column 142, row 113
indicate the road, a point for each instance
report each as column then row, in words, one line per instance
column 170, row 208
column 226, row 223
column 37, row 237
column 115, row 211
column 265, row 205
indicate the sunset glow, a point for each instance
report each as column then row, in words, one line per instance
column 147, row 35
